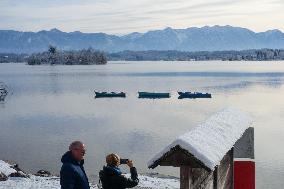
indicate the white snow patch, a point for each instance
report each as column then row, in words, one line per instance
column 5, row 168
column 34, row 182
column 158, row 183
column 210, row 141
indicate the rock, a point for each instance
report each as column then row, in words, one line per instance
column 19, row 174
column 17, row 168
column 43, row 173
column 3, row 177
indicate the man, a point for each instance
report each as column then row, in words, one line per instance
column 72, row 173
column 112, row 177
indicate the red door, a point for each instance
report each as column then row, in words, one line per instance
column 244, row 174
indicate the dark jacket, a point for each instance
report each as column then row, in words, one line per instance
column 72, row 173
column 112, row 178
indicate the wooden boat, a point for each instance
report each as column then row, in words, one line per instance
column 109, row 94
column 194, row 95
column 153, row 95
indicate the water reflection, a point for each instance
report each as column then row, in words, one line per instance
column 202, row 74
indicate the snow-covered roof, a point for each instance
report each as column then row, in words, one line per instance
column 209, row 142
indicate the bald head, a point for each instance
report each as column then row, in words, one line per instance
column 77, row 149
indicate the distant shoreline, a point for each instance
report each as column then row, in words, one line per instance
column 173, row 55
column 72, row 57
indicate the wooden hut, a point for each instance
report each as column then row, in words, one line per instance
column 205, row 155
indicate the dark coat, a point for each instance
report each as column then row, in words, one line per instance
column 112, row 178
column 72, row 173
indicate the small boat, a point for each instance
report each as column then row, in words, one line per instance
column 193, row 95
column 153, row 95
column 109, row 94
column 3, row 94
column 3, row 91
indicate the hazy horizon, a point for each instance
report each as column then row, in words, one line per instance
column 121, row 16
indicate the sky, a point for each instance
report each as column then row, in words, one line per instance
column 126, row 16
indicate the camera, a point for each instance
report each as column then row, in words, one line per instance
column 123, row 161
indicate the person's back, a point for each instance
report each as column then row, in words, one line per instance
column 112, row 178
column 72, row 173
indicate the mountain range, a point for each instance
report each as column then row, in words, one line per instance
column 215, row 38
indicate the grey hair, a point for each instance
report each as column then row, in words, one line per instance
column 75, row 144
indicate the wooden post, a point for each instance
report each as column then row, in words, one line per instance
column 215, row 178
column 232, row 168
column 185, row 177
column 244, row 164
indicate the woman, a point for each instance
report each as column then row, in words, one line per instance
column 111, row 176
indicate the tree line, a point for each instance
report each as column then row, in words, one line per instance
column 90, row 56
column 12, row 58
column 53, row 56
column 171, row 55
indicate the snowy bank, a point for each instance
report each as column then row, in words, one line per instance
column 210, row 141
column 37, row 182
column 6, row 168
column 34, row 182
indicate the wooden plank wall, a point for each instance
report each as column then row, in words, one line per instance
column 225, row 177
column 244, row 147
column 201, row 178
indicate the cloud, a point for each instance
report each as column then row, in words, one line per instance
column 123, row 16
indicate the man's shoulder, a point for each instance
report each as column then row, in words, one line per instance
column 68, row 167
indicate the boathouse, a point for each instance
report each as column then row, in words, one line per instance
column 207, row 153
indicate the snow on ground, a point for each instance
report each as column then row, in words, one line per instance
column 158, row 183
column 36, row 182
column 6, row 168
column 210, row 141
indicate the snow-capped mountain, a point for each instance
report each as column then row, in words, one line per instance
column 191, row 39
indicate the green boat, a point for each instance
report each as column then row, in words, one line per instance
column 153, row 95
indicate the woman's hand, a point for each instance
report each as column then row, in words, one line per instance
column 130, row 163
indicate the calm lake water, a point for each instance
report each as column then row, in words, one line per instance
column 52, row 105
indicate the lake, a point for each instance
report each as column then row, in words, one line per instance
column 50, row 106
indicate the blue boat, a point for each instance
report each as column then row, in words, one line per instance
column 153, row 95
column 110, row 94
column 193, row 95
